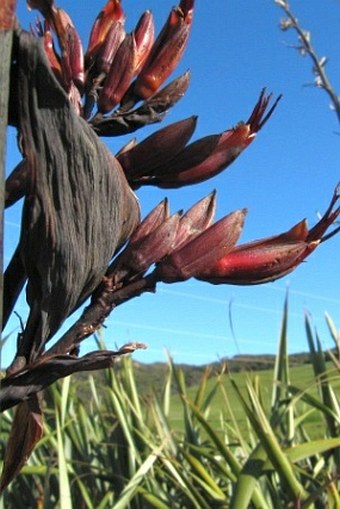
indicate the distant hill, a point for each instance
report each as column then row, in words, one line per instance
column 152, row 376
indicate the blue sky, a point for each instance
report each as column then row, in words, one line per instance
column 287, row 174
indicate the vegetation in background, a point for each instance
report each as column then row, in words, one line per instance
column 258, row 440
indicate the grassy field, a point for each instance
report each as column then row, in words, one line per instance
column 226, row 398
column 266, row 439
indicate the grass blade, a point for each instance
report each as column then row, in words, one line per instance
column 64, row 484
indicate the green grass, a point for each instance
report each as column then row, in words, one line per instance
column 261, row 440
column 301, row 377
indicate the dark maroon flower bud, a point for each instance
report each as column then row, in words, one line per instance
column 149, row 155
column 224, row 149
column 153, row 220
column 109, row 48
column 196, row 220
column 120, row 75
column 51, row 53
column 171, row 164
column 141, row 254
column 203, row 250
column 72, row 58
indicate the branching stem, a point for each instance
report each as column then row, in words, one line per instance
column 322, row 80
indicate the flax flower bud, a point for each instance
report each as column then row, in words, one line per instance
column 166, row 51
column 72, row 57
column 196, row 220
column 153, row 220
column 150, row 240
column 268, row 259
column 120, row 75
column 225, row 148
column 109, row 47
column 52, row 55
column 181, row 165
column 149, row 155
column 111, row 13
column 144, row 35
column 154, row 247
column 203, row 250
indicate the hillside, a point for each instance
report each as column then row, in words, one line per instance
column 153, row 375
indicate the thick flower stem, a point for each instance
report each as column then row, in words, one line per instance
column 93, row 317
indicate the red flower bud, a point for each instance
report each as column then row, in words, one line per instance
column 52, row 55
column 111, row 13
column 201, row 160
column 72, row 58
column 120, row 75
column 149, row 155
column 109, row 47
column 258, row 262
column 144, row 36
column 196, row 220
column 153, row 247
column 224, row 149
column 203, row 250
column 166, row 51
column 153, row 220
column 135, row 258
column 269, row 259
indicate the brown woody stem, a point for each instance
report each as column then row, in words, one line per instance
column 103, row 302
column 17, row 183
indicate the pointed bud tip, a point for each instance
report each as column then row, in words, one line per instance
column 258, row 118
column 299, row 231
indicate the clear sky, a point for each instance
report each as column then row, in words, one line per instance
column 287, row 174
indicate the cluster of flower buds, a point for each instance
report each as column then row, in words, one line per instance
column 119, row 69
column 182, row 246
column 68, row 66
column 159, row 235
column 165, row 160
